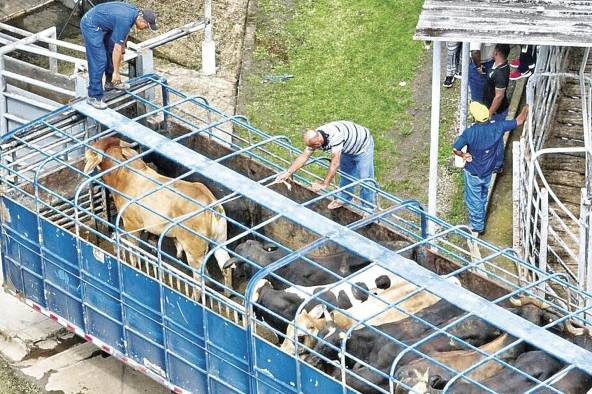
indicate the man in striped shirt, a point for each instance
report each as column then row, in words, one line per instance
column 352, row 150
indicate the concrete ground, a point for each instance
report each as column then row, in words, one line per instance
column 40, row 356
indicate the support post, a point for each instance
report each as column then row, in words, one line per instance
column 53, row 62
column 544, row 234
column 3, row 103
column 464, row 96
column 434, row 134
column 208, row 47
column 516, row 197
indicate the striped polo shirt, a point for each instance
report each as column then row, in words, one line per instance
column 345, row 136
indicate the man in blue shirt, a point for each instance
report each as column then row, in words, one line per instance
column 105, row 29
column 481, row 140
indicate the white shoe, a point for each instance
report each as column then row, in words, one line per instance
column 96, row 103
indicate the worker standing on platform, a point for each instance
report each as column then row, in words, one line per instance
column 352, row 151
column 105, row 29
column 481, row 140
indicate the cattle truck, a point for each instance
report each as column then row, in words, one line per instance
column 66, row 253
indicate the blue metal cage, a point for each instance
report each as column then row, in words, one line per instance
column 66, row 252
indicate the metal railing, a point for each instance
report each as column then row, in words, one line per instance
column 51, row 184
column 548, row 232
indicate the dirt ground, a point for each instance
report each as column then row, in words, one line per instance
column 228, row 26
column 11, row 383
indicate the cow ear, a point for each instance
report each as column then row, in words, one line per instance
column 125, row 144
column 128, row 153
column 317, row 312
column 93, row 159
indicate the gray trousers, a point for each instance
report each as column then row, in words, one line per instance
column 453, row 65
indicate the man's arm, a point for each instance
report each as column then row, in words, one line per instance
column 497, row 100
column 520, row 119
column 335, row 160
column 117, row 58
column 295, row 166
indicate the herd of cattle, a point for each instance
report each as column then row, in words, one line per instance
column 315, row 315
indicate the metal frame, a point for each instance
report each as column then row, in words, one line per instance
column 543, row 224
column 156, row 296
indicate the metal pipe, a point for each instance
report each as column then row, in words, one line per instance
column 434, row 134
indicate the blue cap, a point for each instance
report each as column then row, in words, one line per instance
column 150, row 17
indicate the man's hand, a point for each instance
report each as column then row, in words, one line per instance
column 282, row 177
column 116, row 79
column 318, row 186
column 467, row 157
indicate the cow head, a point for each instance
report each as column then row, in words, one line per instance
column 328, row 347
column 94, row 159
column 307, row 323
column 253, row 255
column 542, row 314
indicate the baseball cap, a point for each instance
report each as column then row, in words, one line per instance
column 479, row 111
column 150, row 17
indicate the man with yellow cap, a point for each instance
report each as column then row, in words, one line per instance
column 481, row 139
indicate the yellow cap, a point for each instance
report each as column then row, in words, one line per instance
column 479, row 111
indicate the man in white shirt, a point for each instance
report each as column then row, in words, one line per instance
column 352, row 151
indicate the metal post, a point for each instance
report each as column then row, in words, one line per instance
column 53, row 62
column 3, row 102
column 516, row 197
column 582, row 256
column 544, row 234
column 208, row 47
column 464, row 95
column 434, row 134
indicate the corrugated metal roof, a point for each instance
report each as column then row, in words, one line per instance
column 542, row 22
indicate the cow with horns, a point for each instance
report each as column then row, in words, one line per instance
column 146, row 205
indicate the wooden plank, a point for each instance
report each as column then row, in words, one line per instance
column 564, row 162
column 528, row 21
column 566, row 178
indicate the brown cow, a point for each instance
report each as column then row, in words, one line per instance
column 164, row 201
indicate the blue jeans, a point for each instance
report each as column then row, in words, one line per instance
column 99, row 55
column 476, row 189
column 359, row 167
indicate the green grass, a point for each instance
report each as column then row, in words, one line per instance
column 348, row 59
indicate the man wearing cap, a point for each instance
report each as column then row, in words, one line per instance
column 481, row 140
column 352, row 151
column 105, row 29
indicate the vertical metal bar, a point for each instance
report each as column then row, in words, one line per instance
column 516, row 197
column 3, row 106
column 208, row 47
column 165, row 103
column 544, row 234
column 464, row 96
column 582, row 255
column 434, row 134
column 53, row 62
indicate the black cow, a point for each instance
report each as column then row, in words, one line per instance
column 365, row 341
column 299, row 271
column 537, row 364
column 379, row 351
